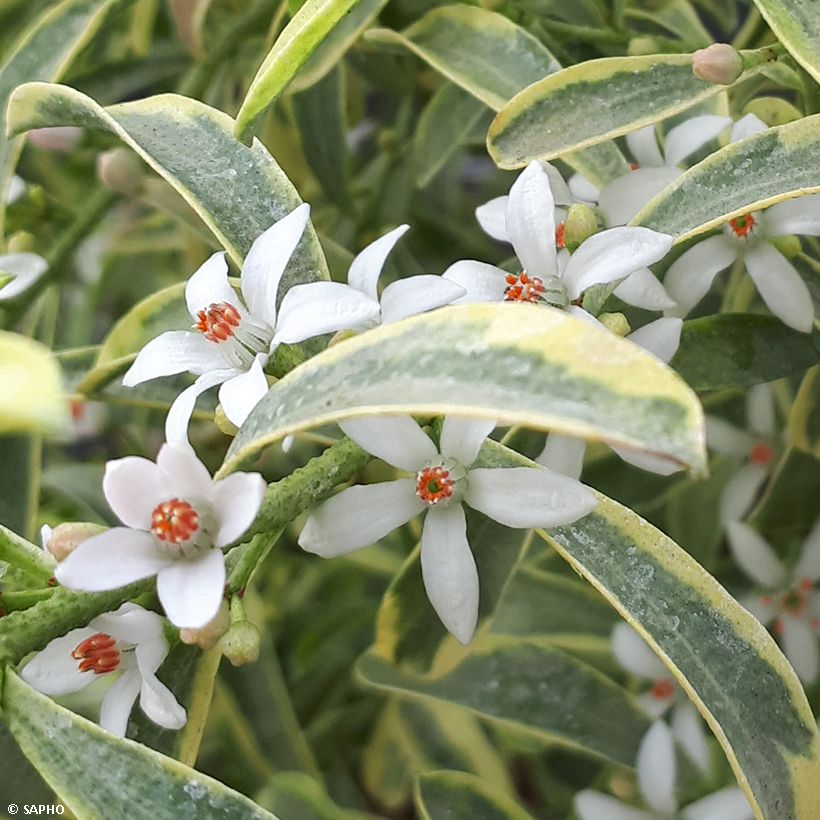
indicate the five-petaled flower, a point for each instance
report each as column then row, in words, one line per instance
column 519, row 497
column 129, row 642
column 657, row 773
column 177, row 520
column 790, row 602
column 233, row 337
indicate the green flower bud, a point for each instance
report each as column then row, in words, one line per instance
column 120, row 171
column 21, row 242
column 240, row 644
column 616, row 323
column 641, row 46
column 224, row 424
column 582, row 222
column 788, row 245
column 720, row 63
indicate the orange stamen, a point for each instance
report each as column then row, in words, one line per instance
column 663, row 689
column 761, row 454
column 98, row 654
column 523, row 288
column 433, row 484
column 560, row 229
column 218, row 321
column 174, row 521
column 743, row 225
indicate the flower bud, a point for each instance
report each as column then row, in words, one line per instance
column 616, row 323
column 224, row 424
column 641, row 46
column 720, row 63
column 788, row 245
column 21, row 242
column 581, row 223
column 208, row 636
column 65, row 538
column 240, row 644
column 120, row 171
column 341, row 336
column 60, row 138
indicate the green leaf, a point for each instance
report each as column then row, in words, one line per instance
column 298, row 40
column 440, row 795
column 519, row 364
column 297, row 795
column 796, row 23
column 25, row 556
column 740, row 349
column 98, row 775
column 20, row 458
column 21, row 781
column 756, row 172
column 44, row 53
column 804, row 419
column 237, row 191
column 592, row 102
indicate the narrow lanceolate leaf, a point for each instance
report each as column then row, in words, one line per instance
column 740, row 349
column 97, row 775
column 458, row 794
column 796, row 23
column 298, row 40
column 592, row 102
column 44, row 53
column 804, row 419
column 520, row 364
column 756, row 172
column 524, row 684
column 237, row 191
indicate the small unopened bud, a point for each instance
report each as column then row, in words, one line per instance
column 240, row 644
column 642, row 46
column 224, row 424
column 208, row 635
column 581, row 223
column 720, row 63
column 615, row 323
column 788, row 245
column 21, row 242
column 120, row 171
column 341, row 336
column 60, row 138
column 65, row 538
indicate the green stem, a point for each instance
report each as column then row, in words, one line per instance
column 746, row 33
column 244, row 559
column 13, row 601
column 25, row 556
column 584, row 34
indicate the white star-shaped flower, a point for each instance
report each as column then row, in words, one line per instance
column 234, row 337
column 177, row 520
column 128, row 644
column 519, row 497
column 615, row 255
column 18, row 272
column 791, row 603
column 657, row 773
column 747, row 238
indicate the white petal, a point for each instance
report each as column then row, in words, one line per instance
column 524, row 497
column 622, row 199
column 808, row 566
column 694, row 133
column 241, row 393
column 583, row 315
column 561, row 193
column 794, row 216
column 691, row 275
column 746, row 126
column 531, row 221
column 633, row 654
column 417, row 294
column 760, row 409
column 582, row 189
column 592, row 805
column 741, row 491
column 727, row 804
column 461, row 438
column 25, row 268
column 182, row 408
column 612, row 255
column 209, row 285
column 398, row 440
column 367, row 266
column 800, row 647
column 689, row 732
column 323, row 307
column 172, row 352
column 45, row 535
column 492, row 216
column 190, row 590
column 725, row 438
column 183, row 475
column 650, row 462
column 661, row 337
column 118, row 702
column 359, row 516
column 642, row 289
column 653, row 705
column 132, row 489
column 643, row 145
column 657, row 767
column 111, row 560
column 236, row 501
column 449, row 571
column 159, row 703
column 483, row 282
column 133, row 625
column 53, row 671
column 753, row 555
column 780, row 286
column 563, row 454
column 763, row 607
column 16, row 189
column 266, row 262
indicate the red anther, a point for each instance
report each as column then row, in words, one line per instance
column 633, row 166
column 523, row 288
column 777, row 627
column 433, row 484
column 743, row 225
column 52, row 582
column 560, row 229
column 761, row 454
column 174, row 521
column 97, row 654
column 77, row 410
column 805, row 584
column 663, row 689
column 218, row 321
column 766, row 599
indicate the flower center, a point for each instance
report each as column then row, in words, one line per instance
column 218, row 321
column 633, row 166
column 98, row 654
column 663, row 689
column 796, row 600
column 742, row 226
column 761, row 454
column 174, row 521
column 441, row 482
column 560, row 242
column 523, row 288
